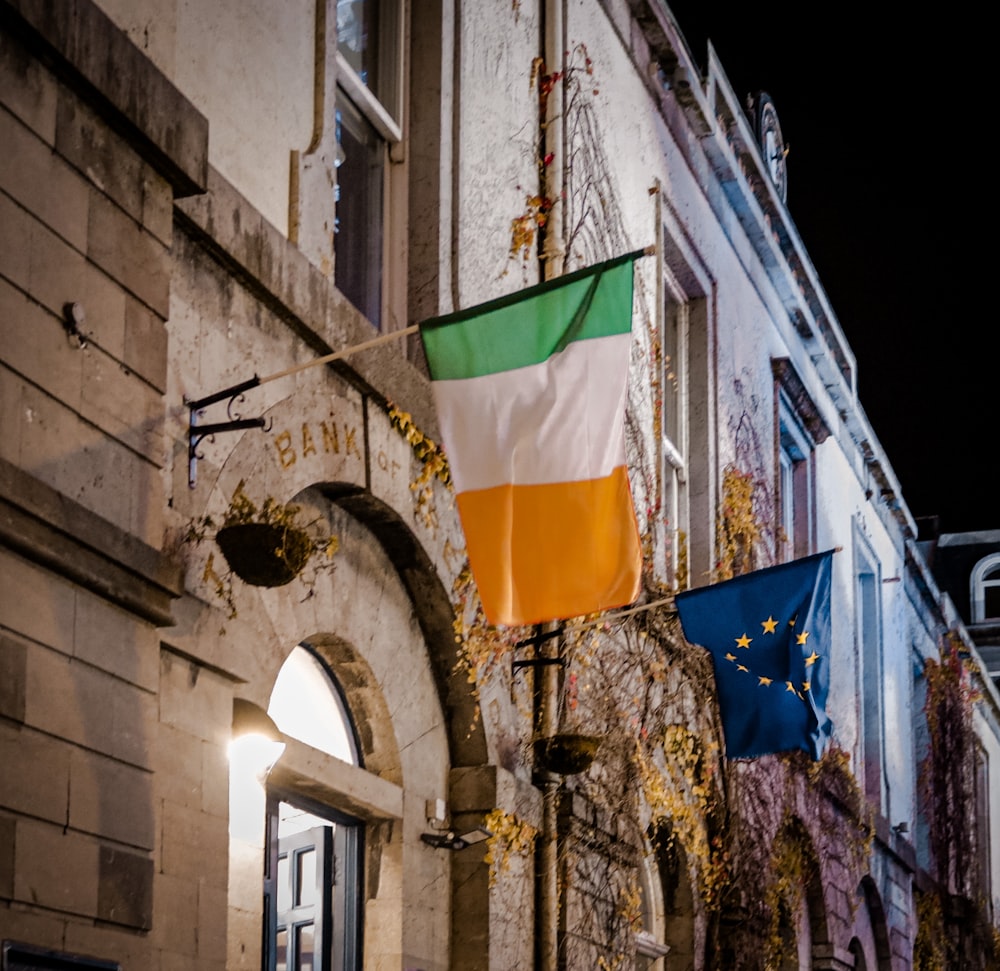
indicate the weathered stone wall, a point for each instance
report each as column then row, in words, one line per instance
column 88, row 182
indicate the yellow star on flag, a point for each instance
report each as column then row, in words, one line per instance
column 790, row 687
column 743, row 641
column 802, row 638
column 740, row 667
column 730, row 657
column 812, row 659
column 769, row 624
column 805, row 685
column 763, row 681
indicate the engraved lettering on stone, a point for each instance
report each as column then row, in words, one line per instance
column 308, row 446
column 331, row 441
column 286, row 454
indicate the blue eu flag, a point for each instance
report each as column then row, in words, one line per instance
column 769, row 636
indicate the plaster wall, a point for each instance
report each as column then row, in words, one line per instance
column 496, row 161
column 249, row 66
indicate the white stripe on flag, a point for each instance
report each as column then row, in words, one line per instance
column 558, row 421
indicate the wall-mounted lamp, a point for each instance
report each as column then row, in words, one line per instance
column 900, row 828
column 452, row 841
column 257, row 744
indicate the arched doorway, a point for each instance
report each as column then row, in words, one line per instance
column 314, row 875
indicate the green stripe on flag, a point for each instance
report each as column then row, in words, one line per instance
column 530, row 326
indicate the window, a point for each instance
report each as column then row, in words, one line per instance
column 869, row 641
column 674, row 437
column 983, row 845
column 795, row 489
column 306, row 703
column 858, row 953
column 794, row 485
column 800, row 430
column 675, row 328
column 984, row 589
column 368, row 107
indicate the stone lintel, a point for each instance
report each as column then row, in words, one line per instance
column 336, row 783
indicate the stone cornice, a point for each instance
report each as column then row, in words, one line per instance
column 48, row 528
column 82, row 46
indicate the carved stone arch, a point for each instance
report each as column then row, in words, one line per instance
column 857, row 951
column 434, row 612
column 868, row 890
column 795, row 833
column 342, row 447
column 360, row 618
column 680, row 925
column 369, row 711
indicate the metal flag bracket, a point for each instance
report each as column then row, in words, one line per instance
column 197, row 432
column 535, row 641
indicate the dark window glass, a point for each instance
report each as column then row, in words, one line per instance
column 281, row 960
column 357, row 38
column 358, row 242
column 991, row 601
column 304, row 940
column 27, row 957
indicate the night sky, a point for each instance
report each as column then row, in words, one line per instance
column 890, row 186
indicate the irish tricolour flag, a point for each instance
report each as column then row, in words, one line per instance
column 530, row 392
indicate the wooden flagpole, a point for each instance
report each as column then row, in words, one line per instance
column 344, row 352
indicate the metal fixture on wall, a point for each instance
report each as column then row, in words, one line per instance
column 452, row 841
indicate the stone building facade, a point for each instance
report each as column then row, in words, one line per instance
column 198, row 200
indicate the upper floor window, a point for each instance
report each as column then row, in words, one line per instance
column 800, row 430
column 984, row 589
column 795, row 492
column 983, row 835
column 871, row 701
column 369, row 55
column 674, row 433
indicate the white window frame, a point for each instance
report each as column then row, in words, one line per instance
column 871, row 674
column 675, row 323
column 796, row 492
column 384, row 115
column 979, row 580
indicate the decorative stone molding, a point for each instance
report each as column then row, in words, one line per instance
column 50, row 529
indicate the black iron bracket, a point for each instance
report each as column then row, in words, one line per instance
column 534, row 641
column 198, row 432
column 536, row 662
column 537, row 639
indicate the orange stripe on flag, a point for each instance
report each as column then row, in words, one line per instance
column 571, row 548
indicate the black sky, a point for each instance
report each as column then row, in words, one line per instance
column 890, row 132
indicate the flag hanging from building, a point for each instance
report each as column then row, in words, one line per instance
column 530, row 392
column 769, row 636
